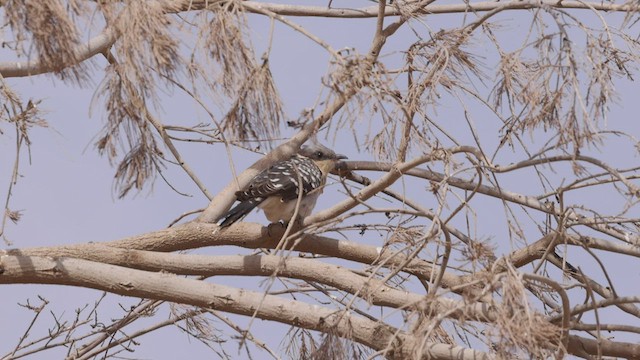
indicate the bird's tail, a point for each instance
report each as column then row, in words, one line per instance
column 238, row 212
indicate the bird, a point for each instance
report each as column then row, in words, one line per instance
column 275, row 190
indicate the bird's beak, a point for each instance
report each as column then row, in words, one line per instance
column 340, row 157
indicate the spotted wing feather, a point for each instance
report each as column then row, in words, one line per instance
column 281, row 179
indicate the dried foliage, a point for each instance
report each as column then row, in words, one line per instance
column 128, row 128
column 255, row 110
column 145, row 49
column 22, row 118
column 47, row 29
column 306, row 346
column 481, row 234
column 555, row 84
column 146, row 44
column 136, row 73
column 518, row 330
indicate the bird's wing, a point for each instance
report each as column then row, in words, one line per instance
column 282, row 180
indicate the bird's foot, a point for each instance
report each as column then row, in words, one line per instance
column 276, row 228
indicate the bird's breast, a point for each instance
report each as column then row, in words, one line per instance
column 275, row 209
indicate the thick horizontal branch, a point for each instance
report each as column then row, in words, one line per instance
column 470, row 7
column 253, row 236
column 168, row 287
column 604, row 245
column 588, row 348
column 369, row 289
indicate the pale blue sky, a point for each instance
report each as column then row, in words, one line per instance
column 66, row 193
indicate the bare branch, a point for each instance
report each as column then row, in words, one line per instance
column 223, row 298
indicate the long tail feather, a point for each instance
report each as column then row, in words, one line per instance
column 237, row 212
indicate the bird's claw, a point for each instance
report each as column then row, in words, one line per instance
column 271, row 227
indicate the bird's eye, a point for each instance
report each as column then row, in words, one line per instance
column 319, row 154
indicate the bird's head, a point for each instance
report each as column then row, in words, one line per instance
column 322, row 155
column 320, row 152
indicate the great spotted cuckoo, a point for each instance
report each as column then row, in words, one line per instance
column 275, row 190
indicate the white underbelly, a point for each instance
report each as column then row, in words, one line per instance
column 275, row 209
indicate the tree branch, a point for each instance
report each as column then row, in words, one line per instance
column 96, row 45
column 129, row 282
column 370, row 289
column 372, row 11
column 250, row 236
